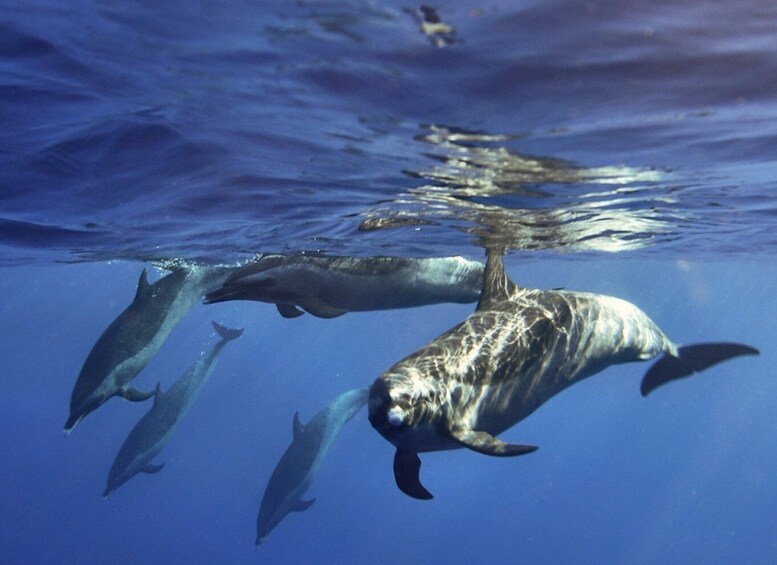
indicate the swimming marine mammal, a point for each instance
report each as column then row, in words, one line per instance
column 154, row 430
column 130, row 342
column 300, row 462
column 331, row 286
column 517, row 350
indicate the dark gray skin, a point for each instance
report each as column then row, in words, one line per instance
column 133, row 338
column 519, row 348
column 300, row 462
column 331, row 286
column 154, row 430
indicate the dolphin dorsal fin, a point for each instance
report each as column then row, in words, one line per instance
column 298, row 428
column 144, row 288
column 497, row 286
column 157, row 394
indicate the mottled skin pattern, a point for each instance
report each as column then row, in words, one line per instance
column 517, row 350
column 504, row 361
column 331, row 286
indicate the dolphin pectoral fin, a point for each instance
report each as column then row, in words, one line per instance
column 289, row 311
column 135, row 395
column 407, row 465
column 485, row 443
column 301, row 505
column 152, row 469
column 322, row 310
column 691, row 359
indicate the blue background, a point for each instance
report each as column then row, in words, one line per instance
column 618, row 147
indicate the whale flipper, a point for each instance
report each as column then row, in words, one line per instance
column 135, row 395
column 152, row 469
column 691, row 359
column 407, row 465
column 289, row 310
column 301, row 505
column 485, row 443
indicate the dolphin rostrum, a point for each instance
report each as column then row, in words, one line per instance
column 133, row 338
column 300, row 462
column 152, row 432
column 331, row 286
column 517, row 350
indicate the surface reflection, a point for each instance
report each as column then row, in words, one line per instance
column 483, row 187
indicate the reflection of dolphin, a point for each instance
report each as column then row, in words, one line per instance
column 300, row 462
column 134, row 337
column 331, row 286
column 517, row 350
column 152, row 432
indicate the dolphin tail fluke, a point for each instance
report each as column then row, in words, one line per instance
column 227, row 334
column 135, row 395
column 691, row 359
column 407, row 466
column 485, row 443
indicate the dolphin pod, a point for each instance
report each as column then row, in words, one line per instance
column 300, row 462
column 133, row 338
column 154, row 430
column 517, row 350
column 328, row 287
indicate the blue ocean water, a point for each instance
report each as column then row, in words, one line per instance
column 617, row 147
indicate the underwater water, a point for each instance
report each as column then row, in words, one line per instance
column 619, row 147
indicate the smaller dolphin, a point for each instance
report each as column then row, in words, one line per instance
column 331, row 286
column 133, row 338
column 152, row 432
column 300, row 462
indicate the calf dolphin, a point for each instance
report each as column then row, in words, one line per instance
column 133, row 338
column 331, row 286
column 300, row 462
column 152, row 432
column 517, row 350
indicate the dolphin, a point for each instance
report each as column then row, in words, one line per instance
column 133, row 338
column 518, row 349
column 331, row 286
column 300, row 462
column 152, row 432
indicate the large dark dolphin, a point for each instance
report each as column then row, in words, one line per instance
column 331, row 286
column 152, row 432
column 134, row 337
column 300, row 462
column 517, row 350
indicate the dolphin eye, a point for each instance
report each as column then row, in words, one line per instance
column 395, row 417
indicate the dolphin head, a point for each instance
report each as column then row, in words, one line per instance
column 404, row 410
column 78, row 410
